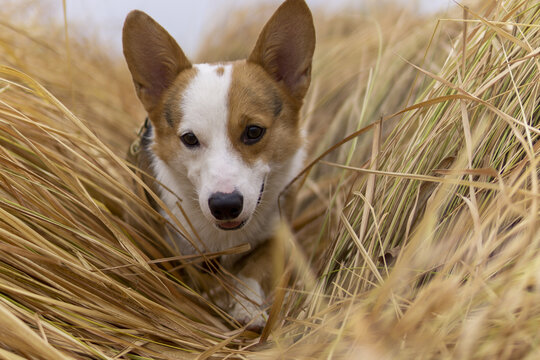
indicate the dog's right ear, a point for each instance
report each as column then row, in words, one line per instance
column 153, row 57
column 285, row 46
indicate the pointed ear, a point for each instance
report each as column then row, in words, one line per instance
column 285, row 46
column 152, row 55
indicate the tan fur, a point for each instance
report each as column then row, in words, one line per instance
column 167, row 142
column 143, row 38
column 285, row 47
column 253, row 99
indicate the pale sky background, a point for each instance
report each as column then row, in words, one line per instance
column 188, row 20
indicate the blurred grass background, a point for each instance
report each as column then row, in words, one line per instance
column 420, row 230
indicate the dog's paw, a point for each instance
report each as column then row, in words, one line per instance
column 249, row 315
column 247, row 308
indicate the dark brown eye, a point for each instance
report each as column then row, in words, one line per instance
column 190, row 140
column 253, row 134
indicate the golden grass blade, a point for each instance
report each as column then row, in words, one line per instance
column 24, row 338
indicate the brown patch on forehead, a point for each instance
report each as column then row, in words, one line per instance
column 220, row 70
column 166, row 117
column 256, row 99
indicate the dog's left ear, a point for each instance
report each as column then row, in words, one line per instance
column 153, row 57
column 285, row 47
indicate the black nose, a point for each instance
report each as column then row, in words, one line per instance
column 226, row 206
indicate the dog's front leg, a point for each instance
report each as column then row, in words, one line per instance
column 254, row 283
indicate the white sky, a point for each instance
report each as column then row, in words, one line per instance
column 186, row 20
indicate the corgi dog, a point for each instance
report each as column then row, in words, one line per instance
column 224, row 139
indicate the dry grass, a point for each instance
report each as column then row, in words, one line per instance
column 421, row 229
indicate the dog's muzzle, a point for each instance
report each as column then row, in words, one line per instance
column 227, row 207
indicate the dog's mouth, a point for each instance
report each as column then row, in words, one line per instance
column 261, row 192
column 231, row 225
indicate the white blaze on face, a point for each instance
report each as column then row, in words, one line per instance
column 214, row 166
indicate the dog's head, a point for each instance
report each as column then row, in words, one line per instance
column 224, row 127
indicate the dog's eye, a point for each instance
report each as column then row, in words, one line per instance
column 253, row 134
column 190, row 140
